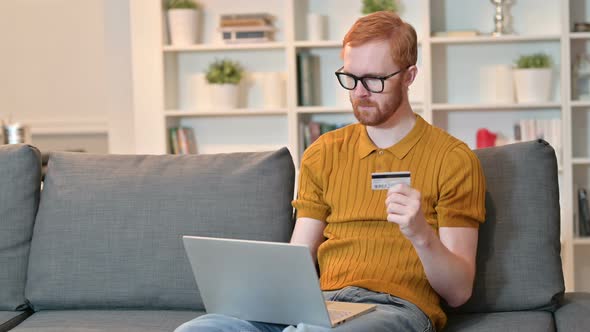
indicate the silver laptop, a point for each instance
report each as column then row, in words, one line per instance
column 263, row 281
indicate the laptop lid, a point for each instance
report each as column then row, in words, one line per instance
column 258, row 281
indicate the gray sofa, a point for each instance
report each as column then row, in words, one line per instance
column 99, row 249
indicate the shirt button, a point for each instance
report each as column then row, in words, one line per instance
column 380, row 152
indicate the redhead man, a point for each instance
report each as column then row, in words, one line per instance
column 404, row 248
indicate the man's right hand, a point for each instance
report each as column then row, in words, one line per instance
column 309, row 232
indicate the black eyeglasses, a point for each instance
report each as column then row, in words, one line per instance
column 375, row 84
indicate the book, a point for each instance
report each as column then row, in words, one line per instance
column 247, row 34
column 584, row 213
column 305, row 79
column 249, row 20
column 182, row 144
column 191, row 141
column 173, row 137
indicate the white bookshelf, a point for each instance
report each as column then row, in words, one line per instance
column 448, row 67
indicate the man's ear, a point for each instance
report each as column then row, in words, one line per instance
column 410, row 75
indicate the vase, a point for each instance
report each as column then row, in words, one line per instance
column 182, row 25
column 273, row 90
column 225, row 96
column 497, row 84
column 533, row 85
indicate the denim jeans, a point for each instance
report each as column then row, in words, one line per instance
column 392, row 314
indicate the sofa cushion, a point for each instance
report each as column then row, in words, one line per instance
column 574, row 313
column 20, row 181
column 109, row 228
column 10, row 319
column 105, row 321
column 518, row 256
column 533, row 321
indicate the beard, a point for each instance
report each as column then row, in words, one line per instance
column 378, row 115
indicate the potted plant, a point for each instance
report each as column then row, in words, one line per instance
column 224, row 77
column 371, row 6
column 182, row 21
column 532, row 78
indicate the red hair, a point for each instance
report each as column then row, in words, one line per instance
column 385, row 25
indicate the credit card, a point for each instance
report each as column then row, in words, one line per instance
column 386, row 180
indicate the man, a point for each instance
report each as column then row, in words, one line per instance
column 403, row 248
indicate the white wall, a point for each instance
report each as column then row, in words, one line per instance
column 52, row 71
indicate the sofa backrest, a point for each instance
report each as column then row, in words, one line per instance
column 518, row 258
column 109, row 228
column 20, row 181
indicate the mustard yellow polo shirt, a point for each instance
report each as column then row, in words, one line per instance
column 362, row 248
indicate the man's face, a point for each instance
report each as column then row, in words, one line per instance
column 373, row 59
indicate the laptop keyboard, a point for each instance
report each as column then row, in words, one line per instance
column 337, row 314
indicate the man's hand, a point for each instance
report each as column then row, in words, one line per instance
column 404, row 208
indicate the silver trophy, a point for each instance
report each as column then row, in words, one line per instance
column 501, row 18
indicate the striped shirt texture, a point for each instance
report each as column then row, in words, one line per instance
column 362, row 248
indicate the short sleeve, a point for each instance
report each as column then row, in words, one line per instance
column 462, row 190
column 310, row 196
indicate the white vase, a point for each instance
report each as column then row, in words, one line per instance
column 497, row 84
column 182, row 24
column 225, row 96
column 532, row 85
column 315, row 27
column 273, row 89
column 199, row 94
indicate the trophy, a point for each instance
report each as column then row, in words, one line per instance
column 501, row 19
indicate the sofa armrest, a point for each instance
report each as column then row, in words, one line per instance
column 574, row 313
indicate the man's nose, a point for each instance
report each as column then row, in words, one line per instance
column 360, row 91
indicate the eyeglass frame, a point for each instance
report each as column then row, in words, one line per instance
column 362, row 79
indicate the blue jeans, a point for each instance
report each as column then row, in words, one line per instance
column 392, row 314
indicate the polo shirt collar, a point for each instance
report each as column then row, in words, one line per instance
column 399, row 149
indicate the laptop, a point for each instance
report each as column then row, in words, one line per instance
column 263, row 281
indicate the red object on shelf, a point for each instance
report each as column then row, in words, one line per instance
column 485, row 138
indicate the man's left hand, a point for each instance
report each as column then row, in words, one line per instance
column 404, row 208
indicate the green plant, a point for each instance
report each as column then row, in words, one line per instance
column 371, row 6
column 538, row 60
column 224, row 71
column 181, row 4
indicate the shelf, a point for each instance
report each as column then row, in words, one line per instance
column 495, row 107
column 580, row 35
column 581, row 161
column 321, row 44
column 318, row 44
column 68, row 127
column 582, row 240
column 339, row 109
column 323, row 109
column 228, row 112
column 580, row 103
column 224, row 47
column 488, row 39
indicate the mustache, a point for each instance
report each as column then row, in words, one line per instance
column 363, row 102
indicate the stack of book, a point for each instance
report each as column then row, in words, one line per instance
column 182, row 140
column 313, row 130
column 246, row 28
